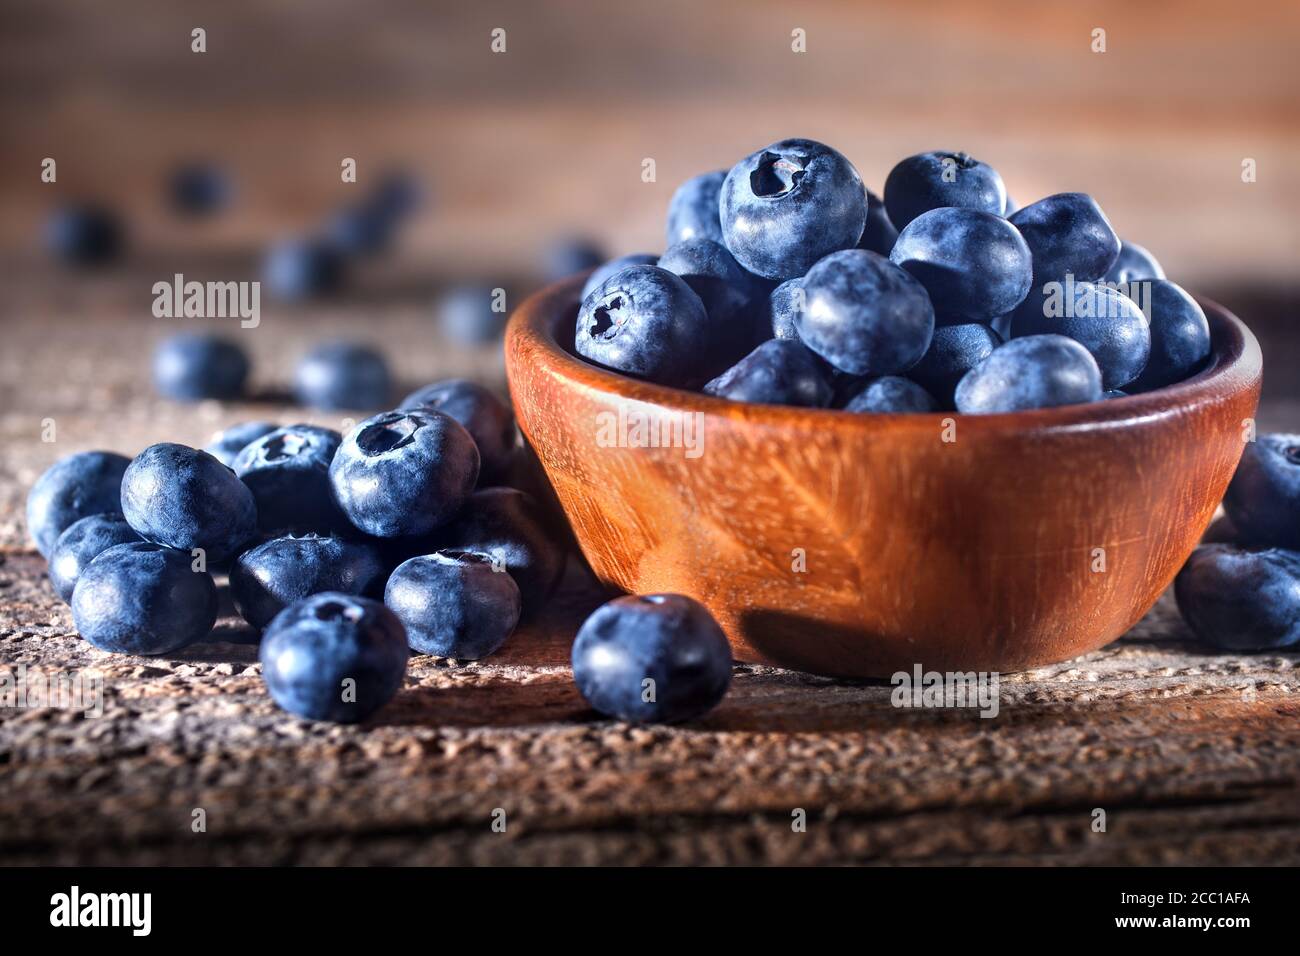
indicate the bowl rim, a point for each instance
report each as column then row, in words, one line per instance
column 1236, row 366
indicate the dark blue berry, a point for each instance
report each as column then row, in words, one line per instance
column 954, row 351
column 199, row 189
column 1107, row 323
column 1263, row 499
column 229, row 442
column 569, row 256
column 693, row 211
column 397, row 194
column 268, row 578
column 191, row 366
column 287, row 470
column 936, row 179
column 972, row 263
column 143, row 598
column 614, row 266
column 880, row 234
column 1180, row 334
column 468, row 315
column 778, row 372
column 297, row 269
column 660, row 658
column 864, row 315
column 81, row 543
column 788, row 205
column 454, row 604
column 342, row 375
column 84, row 235
column 488, row 419
column 334, row 656
column 890, row 394
column 724, row 288
column 184, row 498
column 784, row 304
column 1241, row 600
column 1134, row 264
column 647, row 322
column 360, row 230
column 1068, row 235
column 75, row 487
column 401, row 474
column 1038, row 371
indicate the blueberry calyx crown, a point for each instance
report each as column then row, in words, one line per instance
column 607, row 319
column 385, row 436
column 775, row 176
column 337, row 610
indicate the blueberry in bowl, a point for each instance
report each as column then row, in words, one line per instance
column 607, row 269
column 937, row 179
column 1068, row 235
column 1103, row 320
column 778, row 372
column 890, row 394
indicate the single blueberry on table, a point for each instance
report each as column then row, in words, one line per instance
column 778, row 372
column 143, row 598
column 468, row 315
column 613, row 266
column 646, row 322
column 489, row 420
column 937, row 179
column 1263, row 499
column 287, row 470
column 864, row 315
column 506, row 525
column 454, row 604
column 199, row 189
column 404, row 473
column 81, row 543
column 342, row 375
column 1038, row 371
column 86, row 483
column 954, row 351
column 891, row 394
column 1068, row 235
column 191, row 366
column 658, row 658
column 229, row 442
column 1104, row 321
column 879, row 234
column 184, row 498
column 693, row 212
column 569, row 256
column 1180, row 334
column 1241, row 599
column 296, row 269
column 84, row 235
column 334, row 656
column 784, row 303
column 268, row 578
column 360, row 230
column 972, row 263
column 1134, row 264
column 397, row 194
column 724, row 288
column 788, row 205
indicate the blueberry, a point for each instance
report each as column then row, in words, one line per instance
column 1068, row 235
column 954, row 351
column 937, row 179
column 1104, row 321
column 506, row 525
column 335, row 657
column 657, row 658
column 454, row 604
column 184, row 498
column 973, row 264
column 82, row 542
column 489, row 421
column 404, row 473
column 287, row 470
column 1134, row 264
column 1037, row 371
column 229, row 442
column 788, row 205
column 647, row 322
column 198, row 189
column 468, row 316
column 569, row 256
column 191, row 366
column 890, row 393
column 87, row 483
column 1180, row 334
column 864, row 315
column 268, row 578
column 724, row 288
column 396, row 195
column 614, row 266
column 303, row 268
column 1263, row 499
column 360, row 230
column 84, row 235
column 1239, row 599
column 879, row 235
column 342, row 375
column 143, row 598
column 778, row 372
column 693, row 211
column 784, row 304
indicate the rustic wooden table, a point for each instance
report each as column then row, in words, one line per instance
column 1194, row 756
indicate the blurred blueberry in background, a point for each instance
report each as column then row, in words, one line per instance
column 468, row 314
column 199, row 189
column 84, row 234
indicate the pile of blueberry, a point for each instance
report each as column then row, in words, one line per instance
column 786, row 281
column 347, row 553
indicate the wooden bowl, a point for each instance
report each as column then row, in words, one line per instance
column 862, row 545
